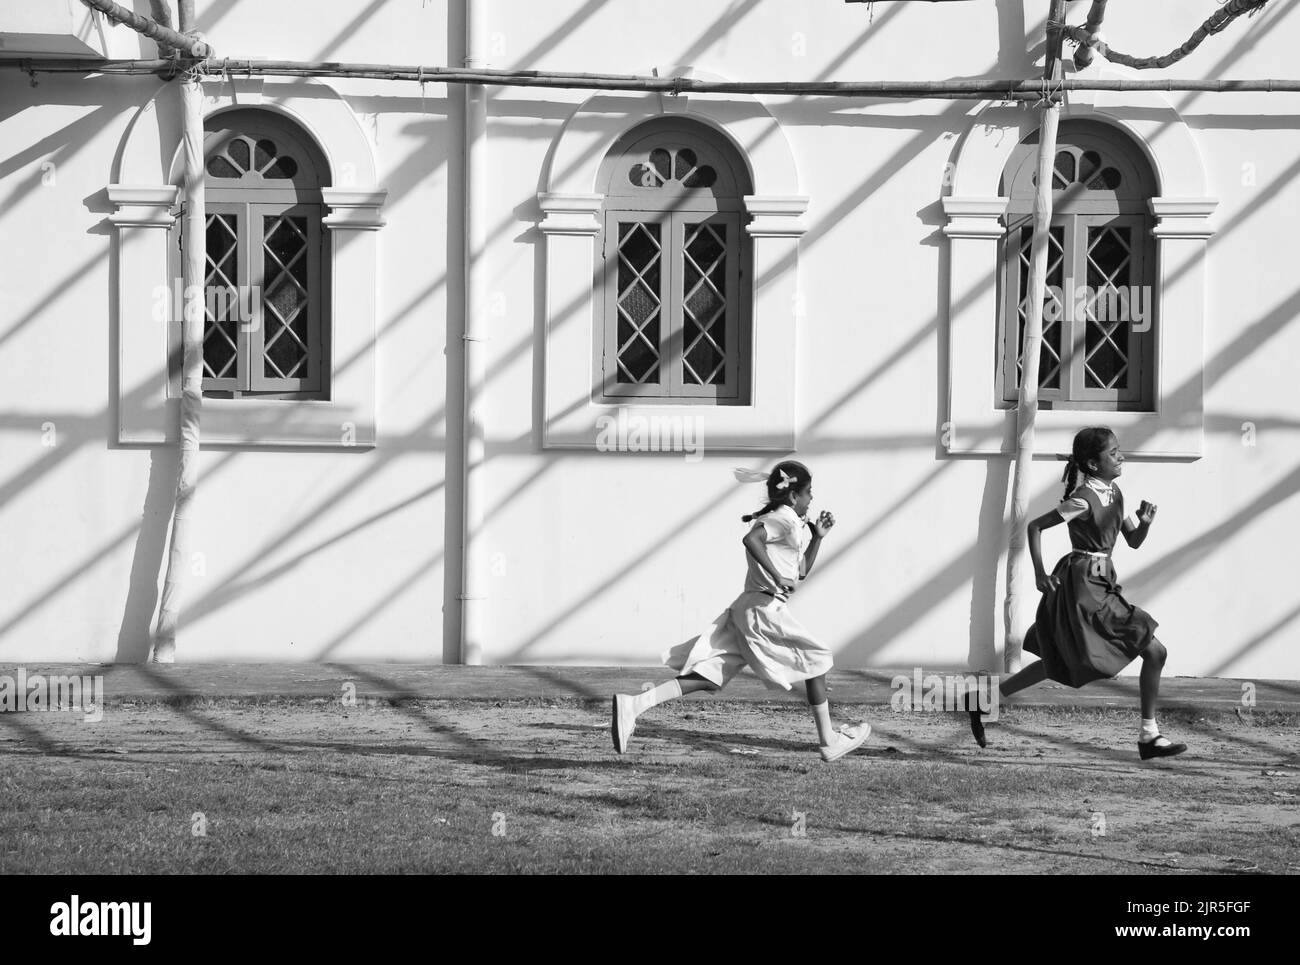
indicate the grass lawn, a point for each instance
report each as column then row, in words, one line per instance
column 285, row 786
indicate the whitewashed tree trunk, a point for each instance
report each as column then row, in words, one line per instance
column 1027, row 408
column 193, row 239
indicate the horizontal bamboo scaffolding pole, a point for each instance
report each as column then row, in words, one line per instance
column 980, row 89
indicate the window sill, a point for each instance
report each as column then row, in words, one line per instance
column 314, row 424
column 1055, row 406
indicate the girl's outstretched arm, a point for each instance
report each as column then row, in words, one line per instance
column 1042, row 579
column 810, row 555
column 1135, row 536
column 819, row 530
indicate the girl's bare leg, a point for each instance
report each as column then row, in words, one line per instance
column 1035, row 673
column 1151, row 743
column 816, row 687
column 1153, row 664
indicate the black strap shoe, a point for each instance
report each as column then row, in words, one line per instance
column 1150, row 749
column 972, row 707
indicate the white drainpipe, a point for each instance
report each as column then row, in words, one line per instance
column 473, row 597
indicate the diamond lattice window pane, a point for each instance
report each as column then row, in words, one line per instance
column 1106, row 365
column 640, row 256
column 704, row 305
column 639, row 304
column 1049, row 353
column 1106, row 339
column 637, row 362
column 221, row 327
column 219, row 351
column 285, row 297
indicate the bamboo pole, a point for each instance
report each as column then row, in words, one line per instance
column 1010, row 89
column 1027, row 408
column 194, row 46
column 193, row 230
column 162, row 15
column 1096, row 14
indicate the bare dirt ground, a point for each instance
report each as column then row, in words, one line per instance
column 308, row 785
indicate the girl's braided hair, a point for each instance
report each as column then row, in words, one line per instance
column 785, row 480
column 1089, row 444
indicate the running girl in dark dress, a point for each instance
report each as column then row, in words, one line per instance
column 1085, row 630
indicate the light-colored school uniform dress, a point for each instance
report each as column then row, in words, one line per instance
column 1086, row 630
column 758, row 630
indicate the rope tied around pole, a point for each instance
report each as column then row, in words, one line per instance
column 225, row 72
column 1049, row 94
column 420, row 78
column 194, row 71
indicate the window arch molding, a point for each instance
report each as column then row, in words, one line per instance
column 571, row 202
column 147, row 204
column 977, row 211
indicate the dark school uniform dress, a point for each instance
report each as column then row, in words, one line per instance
column 1085, row 630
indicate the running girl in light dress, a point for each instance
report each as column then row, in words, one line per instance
column 1085, row 630
column 758, row 630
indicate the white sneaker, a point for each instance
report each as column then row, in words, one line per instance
column 852, row 736
column 623, row 724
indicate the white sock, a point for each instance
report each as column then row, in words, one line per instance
column 1147, row 730
column 668, row 690
column 825, row 729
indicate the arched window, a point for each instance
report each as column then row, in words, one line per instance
column 266, row 330
column 674, row 265
column 1098, row 348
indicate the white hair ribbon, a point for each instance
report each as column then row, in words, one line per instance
column 785, row 480
column 749, row 475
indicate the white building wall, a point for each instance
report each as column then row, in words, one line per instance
column 611, row 557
